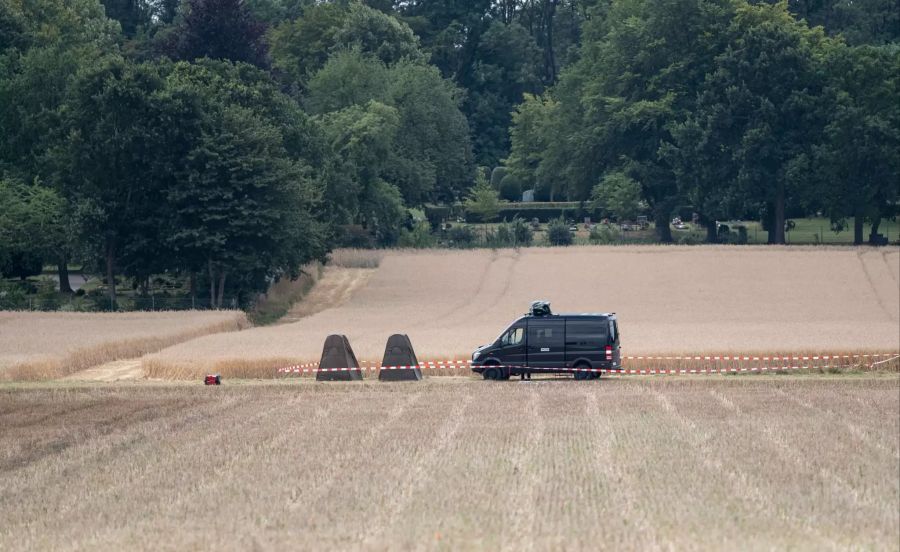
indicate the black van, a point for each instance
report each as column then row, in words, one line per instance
column 541, row 342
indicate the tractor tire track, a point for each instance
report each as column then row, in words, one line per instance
column 741, row 481
column 886, row 305
column 416, row 476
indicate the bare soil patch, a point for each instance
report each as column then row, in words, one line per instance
column 117, row 370
column 334, row 288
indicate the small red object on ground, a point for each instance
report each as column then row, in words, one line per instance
column 213, row 379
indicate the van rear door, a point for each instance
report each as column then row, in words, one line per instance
column 546, row 343
column 615, row 342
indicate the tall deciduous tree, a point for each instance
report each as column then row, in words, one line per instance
column 764, row 102
column 360, row 139
column 638, row 74
column 103, row 162
column 243, row 202
column 131, row 14
column 32, row 229
column 43, row 44
column 618, row 195
column 430, row 155
column 859, row 21
column 221, row 29
column 859, row 159
column 301, row 46
column 432, row 158
column 507, row 66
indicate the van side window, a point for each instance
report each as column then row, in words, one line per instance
column 546, row 334
column 514, row 336
column 586, row 333
column 612, row 331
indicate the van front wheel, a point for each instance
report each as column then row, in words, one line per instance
column 491, row 373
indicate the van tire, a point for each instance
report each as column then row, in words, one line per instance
column 583, row 375
column 491, row 373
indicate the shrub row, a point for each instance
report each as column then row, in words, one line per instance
column 543, row 211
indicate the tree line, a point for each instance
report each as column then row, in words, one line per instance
column 737, row 109
column 232, row 141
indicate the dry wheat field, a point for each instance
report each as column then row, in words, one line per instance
column 751, row 463
column 670, row 300
column 39, row 345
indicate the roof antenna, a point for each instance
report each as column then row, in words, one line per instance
column 540, row 308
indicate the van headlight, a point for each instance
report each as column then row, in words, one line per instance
column 475, row 355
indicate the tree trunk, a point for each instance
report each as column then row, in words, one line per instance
column 221, row 289
column 110, row 270
column 778, row 218
column 212, row 286
column 549, row 56
column 876, row 222
column 858, row 220
column 712, row 233
column 63, row 270
column 661, row 219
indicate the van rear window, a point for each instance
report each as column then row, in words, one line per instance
column 588, row 332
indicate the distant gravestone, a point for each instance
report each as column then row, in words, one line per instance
column 337, row 353
column 399, row 352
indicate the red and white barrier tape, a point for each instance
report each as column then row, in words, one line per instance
column 607, row 371
column 758, row 358
column 455, row 364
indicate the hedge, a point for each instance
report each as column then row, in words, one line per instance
column 544, row 211
column 547, row 211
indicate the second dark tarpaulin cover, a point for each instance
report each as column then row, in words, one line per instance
column 399, row 352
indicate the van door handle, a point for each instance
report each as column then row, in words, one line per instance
column 545, row 349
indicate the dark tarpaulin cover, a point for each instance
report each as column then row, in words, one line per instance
column 337, row 353
column 399, row 352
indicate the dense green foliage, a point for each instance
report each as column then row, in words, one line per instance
column 739, row 110
column 232, row 141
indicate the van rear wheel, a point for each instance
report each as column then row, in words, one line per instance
column 491, row 373
column 581, row 372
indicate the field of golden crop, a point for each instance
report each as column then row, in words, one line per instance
column 751, row 463
column 670, row 300
column 41, row 345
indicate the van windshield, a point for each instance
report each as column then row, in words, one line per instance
column 510, row 336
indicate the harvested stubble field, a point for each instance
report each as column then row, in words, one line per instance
column 753, row 463
column 39, row 345
column 670, row 300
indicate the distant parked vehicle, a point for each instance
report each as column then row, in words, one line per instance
column 543, row 342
